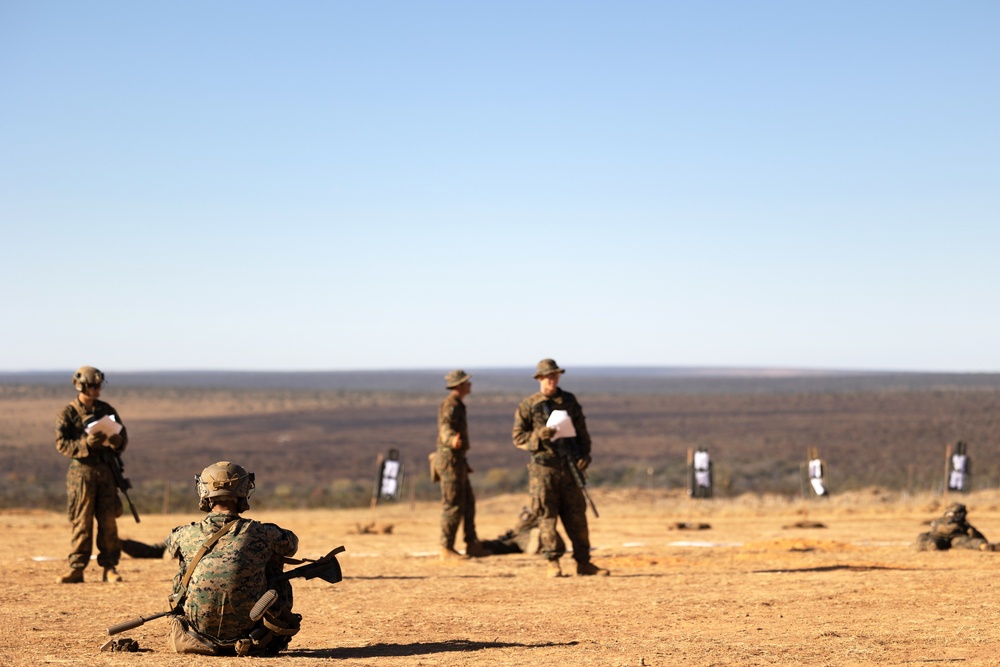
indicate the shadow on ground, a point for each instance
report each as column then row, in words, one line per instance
column 419, row 648
column 832, row 568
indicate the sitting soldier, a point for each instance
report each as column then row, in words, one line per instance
column 227, row 563
column 952, row 531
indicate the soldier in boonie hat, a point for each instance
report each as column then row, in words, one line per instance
column 455, row 378
column 450, row 467
column 547, row 367
column 552, row 453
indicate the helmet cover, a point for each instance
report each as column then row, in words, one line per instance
column 87, row 376
column 224, row 480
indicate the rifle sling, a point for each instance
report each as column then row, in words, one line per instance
column 209, row 543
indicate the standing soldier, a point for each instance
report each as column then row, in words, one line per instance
column 90, row 485
column 458, row 504
column 555, row 493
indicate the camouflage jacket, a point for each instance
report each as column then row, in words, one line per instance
column 71, row 437
column 232, row 576
column 452, row 420
column 532, row 415
column 945, row 527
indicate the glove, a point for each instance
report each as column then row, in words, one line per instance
column 115, row 441
column 96, row 439
column 582, row 463
column 546, row 433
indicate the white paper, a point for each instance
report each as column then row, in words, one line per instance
column 562, row 423
column 106, row 425
column 817, row 485
column 390, row 478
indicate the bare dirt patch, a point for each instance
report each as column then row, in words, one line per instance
column 745, row 592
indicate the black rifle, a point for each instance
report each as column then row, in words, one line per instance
column 326, row 568
column 114, row 461
column 569, row 453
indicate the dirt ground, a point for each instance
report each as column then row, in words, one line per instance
column 752, row 589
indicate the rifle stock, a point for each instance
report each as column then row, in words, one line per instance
column 326, row 568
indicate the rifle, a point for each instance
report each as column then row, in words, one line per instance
column 568, row 453
column 114, row 461
column 326, row 568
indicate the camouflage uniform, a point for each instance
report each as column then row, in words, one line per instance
column 553, row 489
column 952, row 531
column 90, row 486
column 458, row 503
column 522, row 538
column 231, row 576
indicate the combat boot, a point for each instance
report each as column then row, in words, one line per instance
column 476, row 550
column 588, row 569
column 451, row 554
column 554, row 569
column 75, row 576
column 111, row 574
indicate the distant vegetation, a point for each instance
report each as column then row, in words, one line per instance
column 317, row 447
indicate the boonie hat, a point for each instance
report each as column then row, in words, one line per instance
column 455, row 378
column 547, row 367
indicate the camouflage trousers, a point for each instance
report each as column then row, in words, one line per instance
column 458, row 503
column 92, row 497
column 935, row 542
column 555, row 496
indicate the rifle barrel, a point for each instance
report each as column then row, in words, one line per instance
column 136, row 622
column 122, row 482
column 579, row 482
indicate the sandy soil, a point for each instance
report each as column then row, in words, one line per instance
column 751, row 590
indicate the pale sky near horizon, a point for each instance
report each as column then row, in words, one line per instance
column 380, row 185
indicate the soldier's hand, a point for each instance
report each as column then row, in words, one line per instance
column 115, row 441
column 96, row 439
column 546, row 433
column 583, row 463
column 456, row 442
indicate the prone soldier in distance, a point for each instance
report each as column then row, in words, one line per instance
column 952, row 531
column 524, row 537
column 91, row 492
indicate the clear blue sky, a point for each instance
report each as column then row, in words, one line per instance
column 377, row 185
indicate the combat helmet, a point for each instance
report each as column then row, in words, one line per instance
column 955, row 512
column 224, row 480
column 87, row 376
